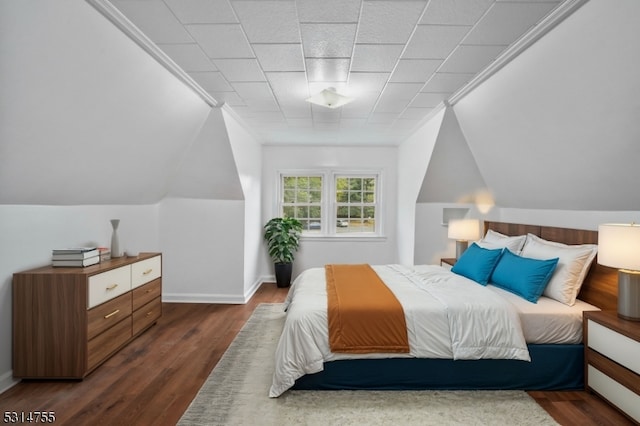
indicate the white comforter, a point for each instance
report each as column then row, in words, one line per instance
column 447, row 316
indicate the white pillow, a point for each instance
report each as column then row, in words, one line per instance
column 573, row 265
column 494, row 240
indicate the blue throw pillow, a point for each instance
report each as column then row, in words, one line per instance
column 523, row 276
column 477, row 263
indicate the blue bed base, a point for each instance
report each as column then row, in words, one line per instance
column 552, row 367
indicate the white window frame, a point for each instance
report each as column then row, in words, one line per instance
column 329, row 204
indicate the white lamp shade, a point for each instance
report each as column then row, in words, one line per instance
column 329, row 98
column 464, row 229
column 619, row 246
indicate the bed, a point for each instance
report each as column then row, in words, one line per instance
column 539, row 355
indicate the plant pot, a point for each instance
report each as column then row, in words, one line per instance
column 283, row 274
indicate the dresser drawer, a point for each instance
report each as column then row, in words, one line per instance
column 619, row 395
column 146, row 270
column 615, row 346
column 107, row 314
column 146, row 315
column 109, row 284
column 108, row 342
column 144, row 294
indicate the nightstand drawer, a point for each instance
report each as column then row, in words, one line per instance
column 615, row 346
column 622, row 397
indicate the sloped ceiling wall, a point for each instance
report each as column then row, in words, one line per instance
column 452, row 175
column 208, row 170
column 558, row 127
column 86, row 116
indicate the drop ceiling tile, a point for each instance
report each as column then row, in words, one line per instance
column 443, row 82
column 289, row 86
column 202, row 11
column 375, row 57
column 266, row 117
column 262, row 104
column 455, row 12
column 404, row 91
column 299, row 122
column 328, row 40
column 388, row 21
column 253, row 90
column 360, row 82
column 389, row 105
column 189, row 57
column 429, row 100
column 382, row 117
column 240, row 69
column 327, row 69
column 351, row 123
column 280, row 57
column 434, row 41
column 506, row 22
column 267, row 21
column 299, row 110
column 471, row 59
column 209, row 35
column 155, row 20
column 328, row 10
column 414, row 70
column 319, row 86
column 211, row 81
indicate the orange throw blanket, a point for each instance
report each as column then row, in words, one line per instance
column 364, row 315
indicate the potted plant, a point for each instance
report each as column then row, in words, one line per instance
column 283, row 238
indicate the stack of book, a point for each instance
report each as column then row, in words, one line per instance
column 76, row 256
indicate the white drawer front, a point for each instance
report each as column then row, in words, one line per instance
column 620, row 396
column 146, row 270
column 107, row 285
column 619, row 348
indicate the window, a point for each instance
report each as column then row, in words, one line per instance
column 332, row 203
column 302, row 199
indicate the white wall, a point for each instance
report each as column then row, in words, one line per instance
column 247, row 152
column 29, row 233
column 318, row 252
column 414, row 155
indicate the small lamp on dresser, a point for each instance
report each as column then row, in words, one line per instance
column 619, row 247
column 463, row 231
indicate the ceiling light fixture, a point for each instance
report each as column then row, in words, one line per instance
column 329, row 98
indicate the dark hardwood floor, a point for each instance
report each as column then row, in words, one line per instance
column 154, row 378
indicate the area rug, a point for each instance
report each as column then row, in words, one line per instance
column 236, row 393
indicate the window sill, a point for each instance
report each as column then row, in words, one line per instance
column 345, row 238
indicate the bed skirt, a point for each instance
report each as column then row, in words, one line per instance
column 552, row 367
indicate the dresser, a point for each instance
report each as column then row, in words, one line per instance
column 67, row 321
column 612, row 357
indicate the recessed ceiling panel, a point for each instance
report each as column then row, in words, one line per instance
column 328, row 40
column 376, row 57
column 327, row 69
column 328, row 10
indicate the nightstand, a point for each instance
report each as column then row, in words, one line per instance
column 612, row 361
column 448, row 262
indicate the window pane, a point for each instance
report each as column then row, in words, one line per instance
column 289, row 196
column 303, row 196
column 289, row 182
column 302, row 212
column 342, row 196
column 355, row 197
column 303, row 182
column 288, row 211
column 315, row 196
column 368, row 197
column 369, row 184
column 315, row 182
column 342, row 183
column 355, row 184
column 355, row 212
column 343, row 212
column 369, row 212
column 315, row 212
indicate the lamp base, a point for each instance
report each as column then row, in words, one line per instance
column 629, row 295
column 461, row 246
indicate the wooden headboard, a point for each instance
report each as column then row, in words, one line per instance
column 600, row 287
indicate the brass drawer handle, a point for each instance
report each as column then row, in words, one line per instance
column 147, row 272
column 149, row 313
column 112, row 286
column 112, row 314
column 149, row 290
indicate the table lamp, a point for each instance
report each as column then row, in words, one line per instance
column 463, row 231
column 619, row 247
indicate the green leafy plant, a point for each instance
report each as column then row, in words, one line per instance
column 283, row 238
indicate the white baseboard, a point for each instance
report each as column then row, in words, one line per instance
column 217, row 298
column 7, row 381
